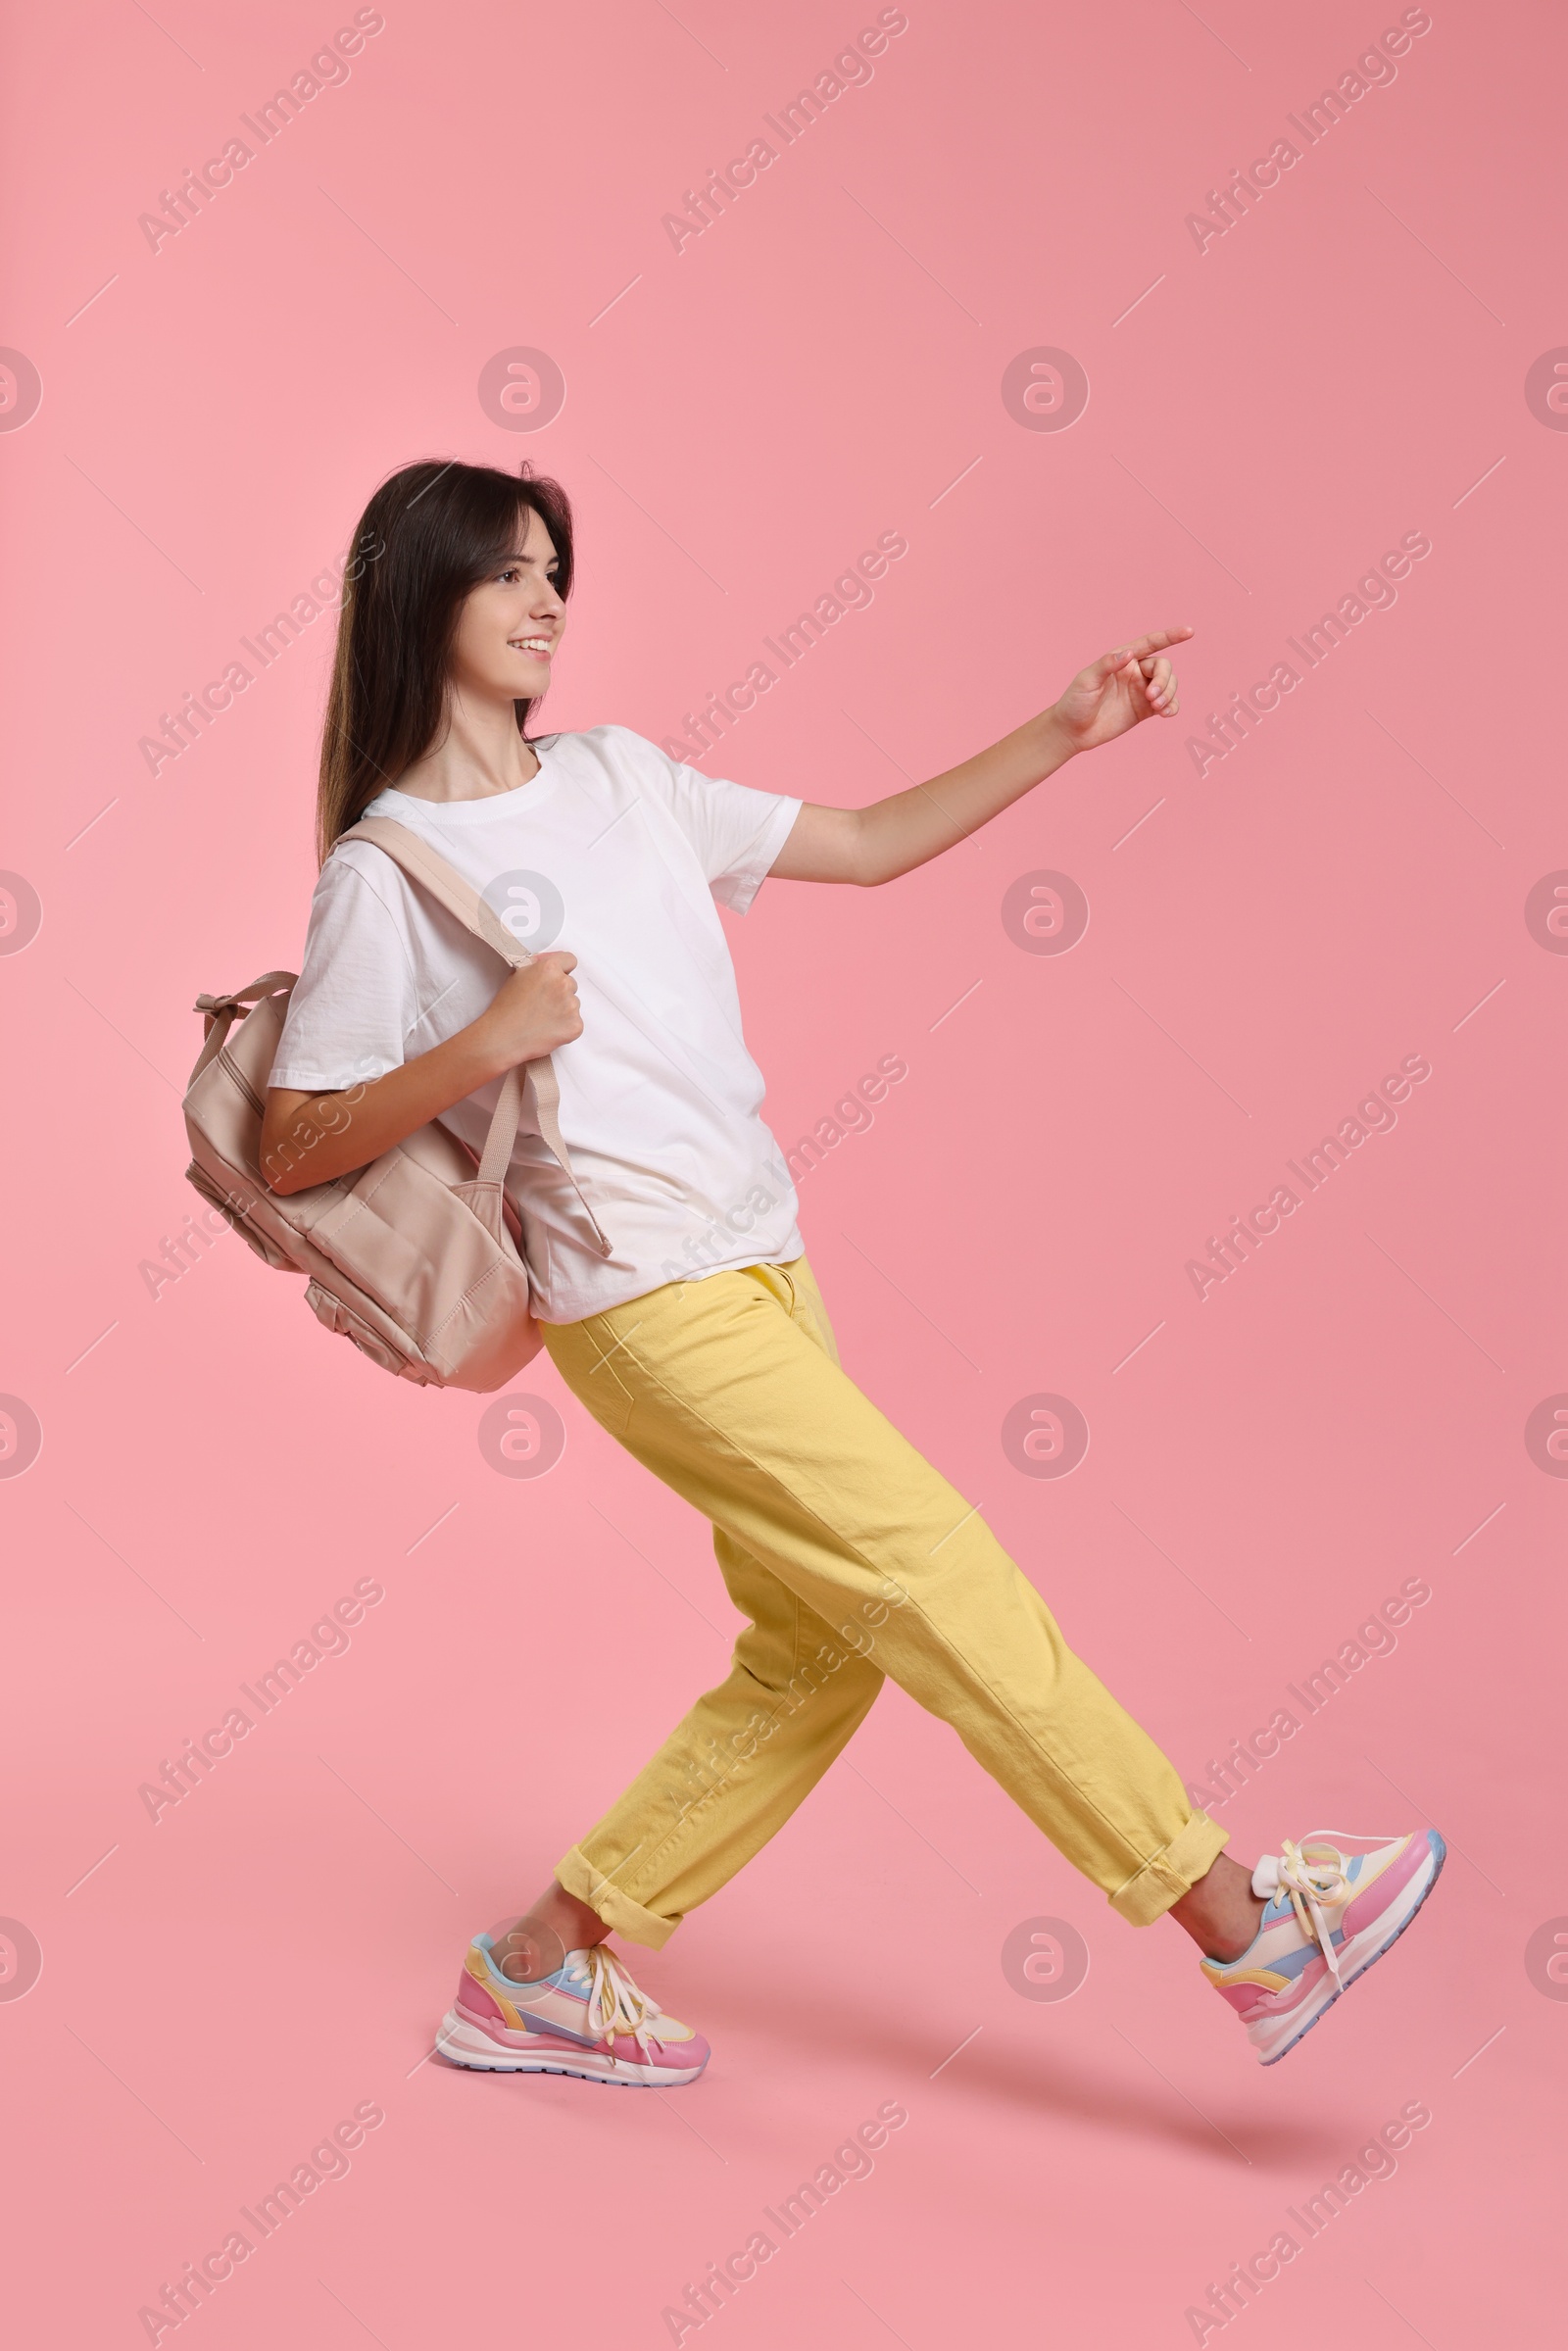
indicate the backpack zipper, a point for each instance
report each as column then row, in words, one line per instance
column 242, row 1081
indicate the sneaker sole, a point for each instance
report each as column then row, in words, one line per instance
column 1328, row 1991
column 467, row 2045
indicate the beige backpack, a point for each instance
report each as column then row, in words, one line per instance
column 416, row 1256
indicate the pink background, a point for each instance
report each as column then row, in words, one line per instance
column 1345, row 365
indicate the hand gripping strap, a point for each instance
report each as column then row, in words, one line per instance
column 424, row 865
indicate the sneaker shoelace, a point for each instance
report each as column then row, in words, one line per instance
column 616, row 2004
column 1314, row 1876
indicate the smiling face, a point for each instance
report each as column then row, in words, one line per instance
column 510, row 625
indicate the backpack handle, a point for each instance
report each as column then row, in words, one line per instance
column 451, row 890
column 221, row 1012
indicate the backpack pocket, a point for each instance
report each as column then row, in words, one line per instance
column 334, row 1315
column 252, row 1235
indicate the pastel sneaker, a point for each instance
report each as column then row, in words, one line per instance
column 1330, row 1912
column 588, row 2018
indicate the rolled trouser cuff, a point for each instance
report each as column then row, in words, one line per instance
column 1168, row 1873
column 578, row 1876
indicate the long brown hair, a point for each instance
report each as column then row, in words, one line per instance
column 430, row 534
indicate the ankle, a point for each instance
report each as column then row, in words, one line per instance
column 524, row 1950
column 1221, row 1913
column 1226, row 1943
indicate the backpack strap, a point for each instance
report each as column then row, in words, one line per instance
column 453, row 890
column 446, row 885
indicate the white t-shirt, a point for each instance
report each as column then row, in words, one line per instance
column 617, row 852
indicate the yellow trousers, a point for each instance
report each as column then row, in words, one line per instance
column 852, row 1559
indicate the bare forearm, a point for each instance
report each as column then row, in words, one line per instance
column 310, row 1138
column 877, row 844
column 893, row 836
column 909, row 828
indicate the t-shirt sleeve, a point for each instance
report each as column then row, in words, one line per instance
column 356, row 999
column 736, row 832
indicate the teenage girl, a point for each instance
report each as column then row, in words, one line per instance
column 701, row 1341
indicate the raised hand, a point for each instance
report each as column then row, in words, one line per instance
column 1113, row 694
